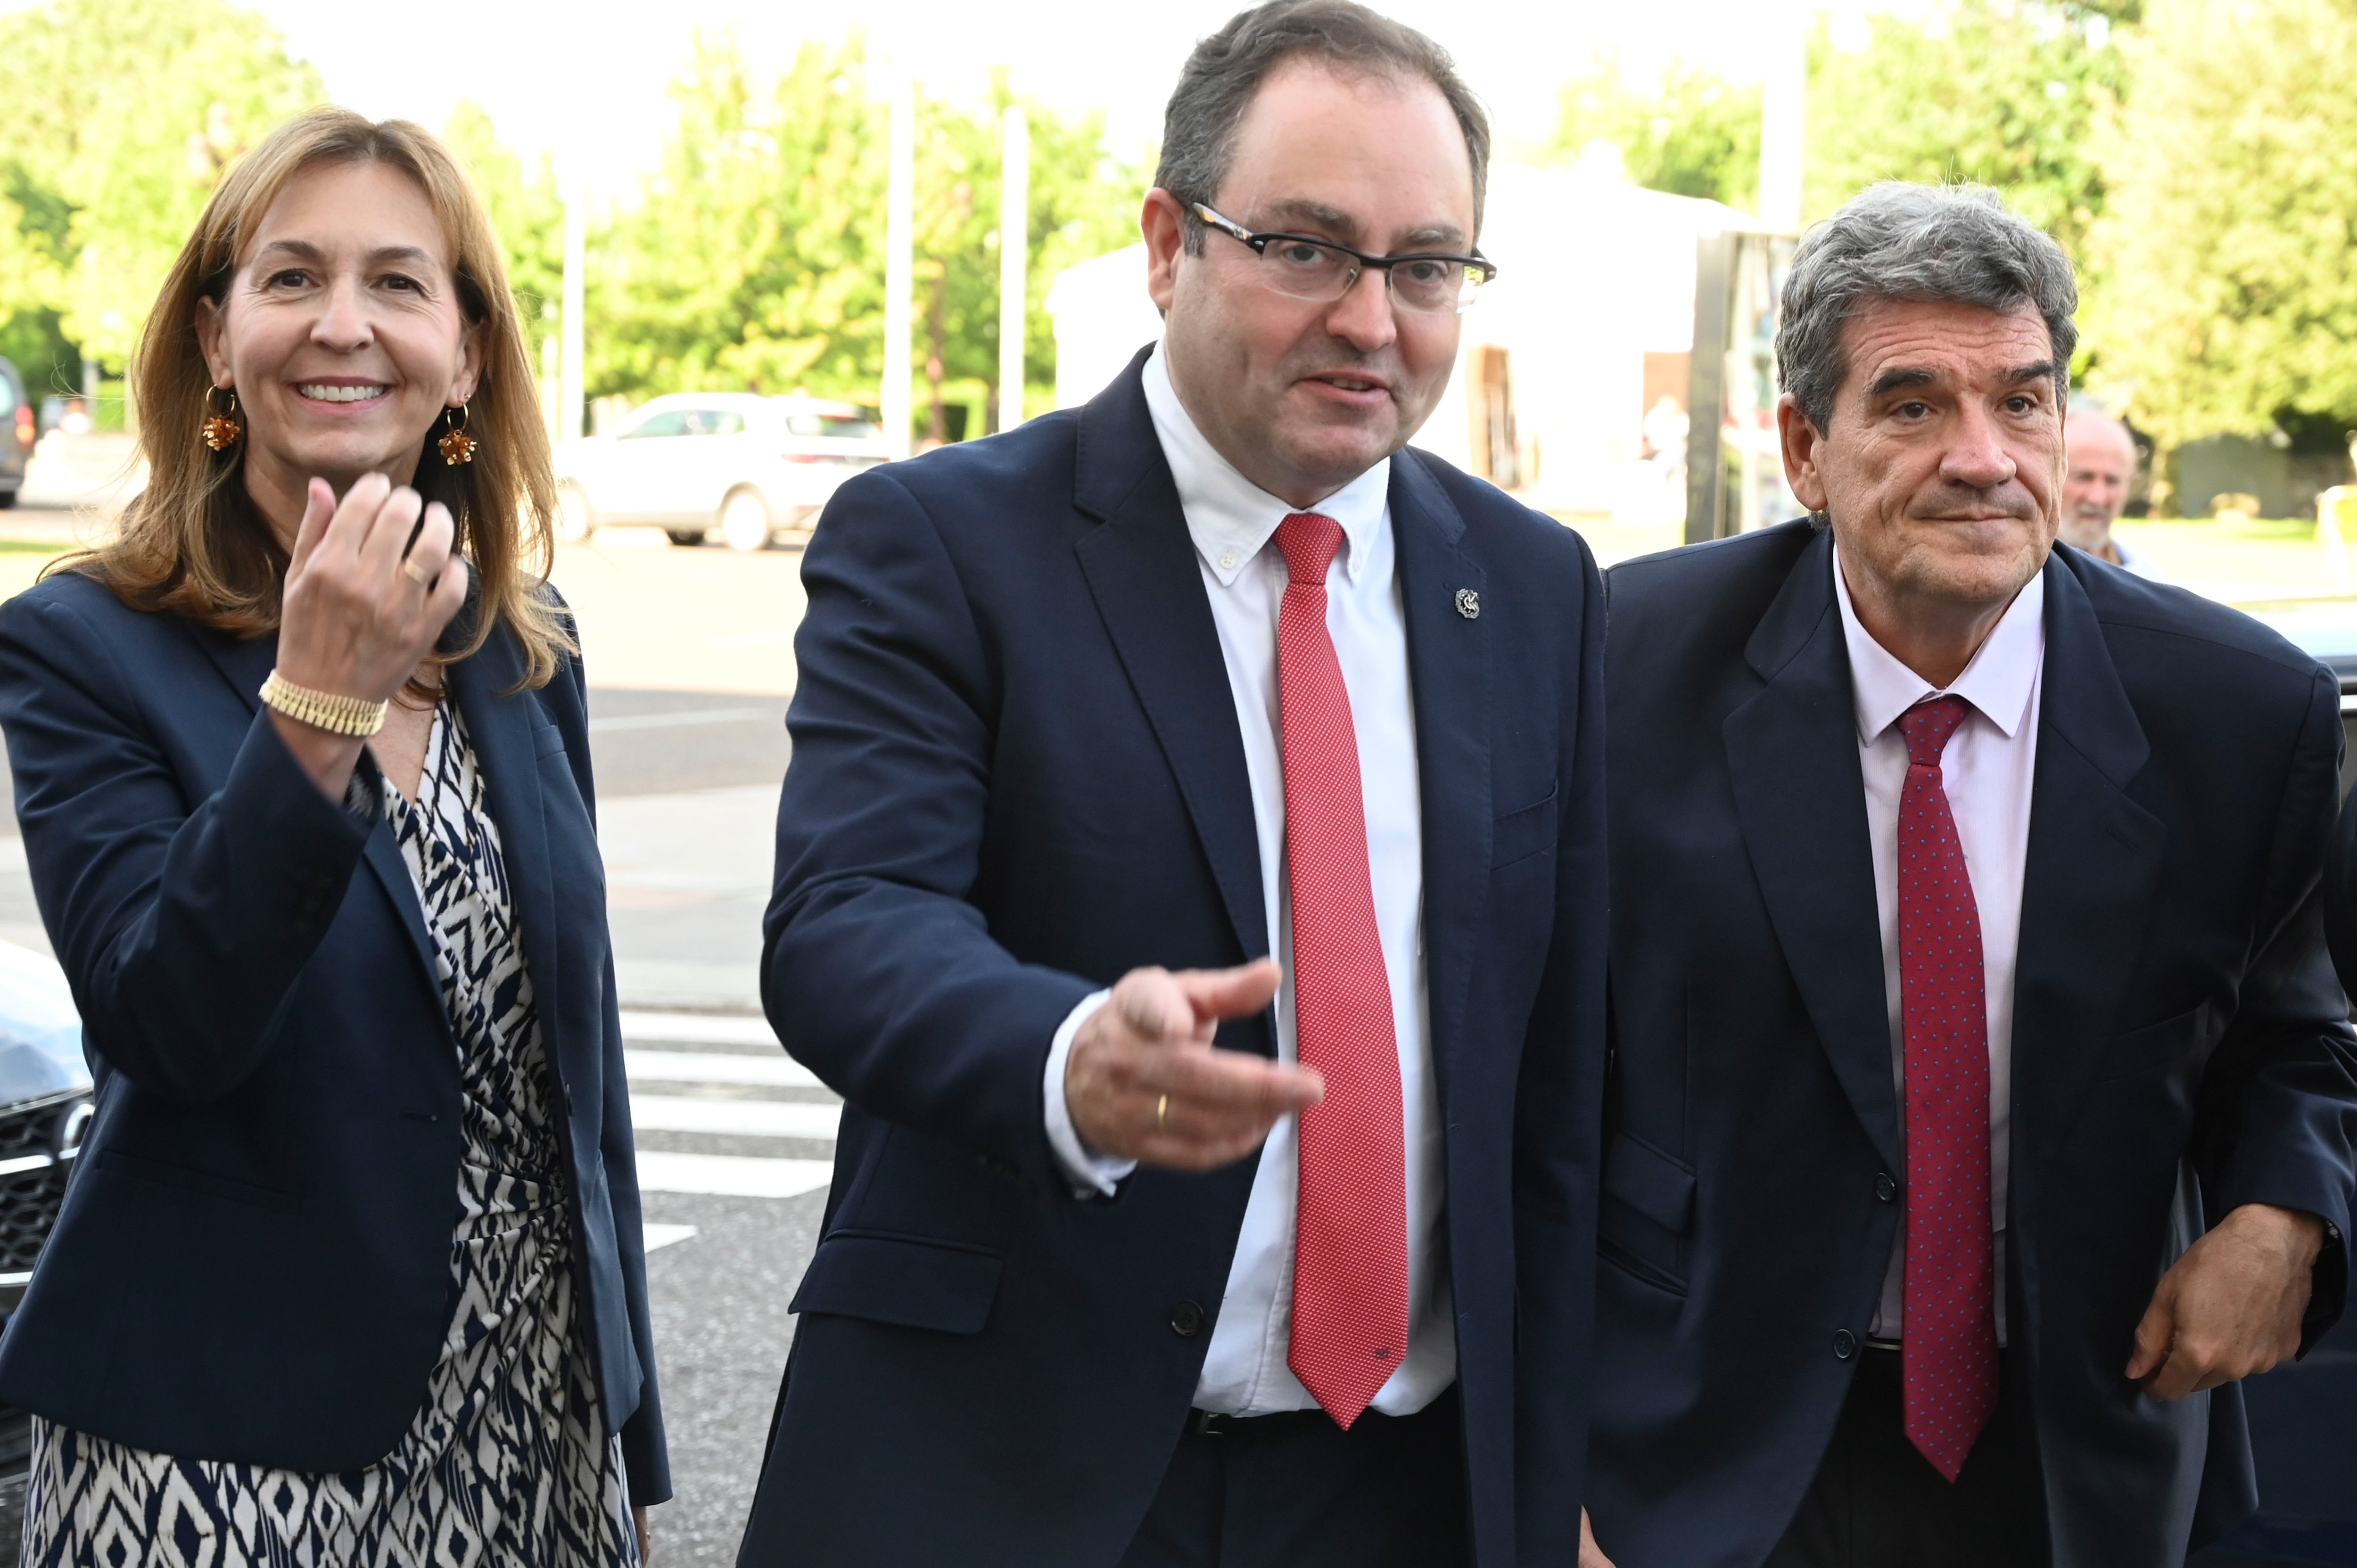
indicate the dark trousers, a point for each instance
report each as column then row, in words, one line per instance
column 1297, row 1491
column 1878, row 1503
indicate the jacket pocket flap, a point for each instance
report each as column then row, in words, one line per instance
column 901, row 1280
column 2154, row 1045
column 1520, row 833
column 1653, row 1184
column 163, row 1172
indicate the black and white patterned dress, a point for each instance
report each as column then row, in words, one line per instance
column 508, row 1463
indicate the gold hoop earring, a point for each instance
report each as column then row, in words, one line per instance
column 457, row 446
column 221, row 431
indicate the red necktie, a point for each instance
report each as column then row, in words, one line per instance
column 1949, row 1352
column 1350, row 1272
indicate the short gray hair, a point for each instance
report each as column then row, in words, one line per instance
column 1916, row 243
column 1226, row 71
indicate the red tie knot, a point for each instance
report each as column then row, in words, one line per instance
column 1926, row 726
column 1308, row 540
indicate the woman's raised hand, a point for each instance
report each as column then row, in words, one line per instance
column 358, row 614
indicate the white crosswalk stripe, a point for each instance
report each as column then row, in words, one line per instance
column 731, row 1175
column 698, row 1029
column 738, row 1118
column 667, row 1072
column 781, row 1071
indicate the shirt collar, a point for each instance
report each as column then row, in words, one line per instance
column 1997, row 683
column 1228, row 517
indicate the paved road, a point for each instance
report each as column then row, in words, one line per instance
column 733, row 1143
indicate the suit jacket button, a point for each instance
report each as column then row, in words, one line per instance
column 1186, row 1319
column 1885, row 1188
column 1845, row 1343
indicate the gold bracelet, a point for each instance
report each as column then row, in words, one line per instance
column 323, row 710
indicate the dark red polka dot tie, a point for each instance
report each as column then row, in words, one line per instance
column 1949, row 1351
column 1349, row 1270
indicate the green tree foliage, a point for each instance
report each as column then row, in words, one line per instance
column 2004, row 92
column 122, row 114
column 527, row 207
column 744, row 265
column 1687, row 133
column 2230, row 244
column 755, row 259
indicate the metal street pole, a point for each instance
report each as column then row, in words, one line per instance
column 1014, row 259
column 899, row 263
column 571, row 387
column 1783, row 102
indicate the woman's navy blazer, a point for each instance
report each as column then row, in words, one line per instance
column 253, row 1261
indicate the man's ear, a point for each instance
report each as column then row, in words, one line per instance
column 1803, row 443
column 1164, row 223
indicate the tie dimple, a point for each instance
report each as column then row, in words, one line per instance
column 1949, row 1352
column 1350, row 1278
column 1928, row 725
column 1308, row 540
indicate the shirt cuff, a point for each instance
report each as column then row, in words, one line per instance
column 1092, row 1175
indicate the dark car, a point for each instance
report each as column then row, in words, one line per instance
column 16, row 433
column 45, row 1108
column 2304, row 1415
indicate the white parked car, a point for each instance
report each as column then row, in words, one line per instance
column 737, row 465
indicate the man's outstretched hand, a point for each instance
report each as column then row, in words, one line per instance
column 2231, row 1308
column 1143, row 1081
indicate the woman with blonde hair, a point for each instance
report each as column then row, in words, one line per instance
column 350, row 1272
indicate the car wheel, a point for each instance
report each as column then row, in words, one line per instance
column 686, row 538
column 745, row 520
column 574, row 521
column 8, row 500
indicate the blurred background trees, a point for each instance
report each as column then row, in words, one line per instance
column 2228, row 243
column 751, row 260
column 2199, row 162
column 1686, row 130
column 755, row 260
column 122, row 114
column 2003, row 93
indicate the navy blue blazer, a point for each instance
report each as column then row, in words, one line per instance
column 253, row 1261
column 1018, row 774
column 2179, row 1041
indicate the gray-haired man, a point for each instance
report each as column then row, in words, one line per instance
column 2100, row 463
column 1982, row 1105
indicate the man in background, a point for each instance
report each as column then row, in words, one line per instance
column 2100, row 466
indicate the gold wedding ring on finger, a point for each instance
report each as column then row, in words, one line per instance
column 417, row 574
column 1162, row 1114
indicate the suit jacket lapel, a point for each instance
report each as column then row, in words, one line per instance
column 504, row 726
column 1793, row 753
column 245, row 663
column 1140, row 567
column 1448, row 667
column 2095, row 856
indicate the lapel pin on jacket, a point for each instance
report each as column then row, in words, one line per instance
column 1469, row 604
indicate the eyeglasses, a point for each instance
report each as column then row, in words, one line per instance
column 1305, row 268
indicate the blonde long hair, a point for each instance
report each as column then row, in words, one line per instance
column 194, row 545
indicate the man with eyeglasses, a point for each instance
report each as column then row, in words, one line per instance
column 1189, row 873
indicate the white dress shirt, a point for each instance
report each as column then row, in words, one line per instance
column 1233, row 524
column 1988, row 768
